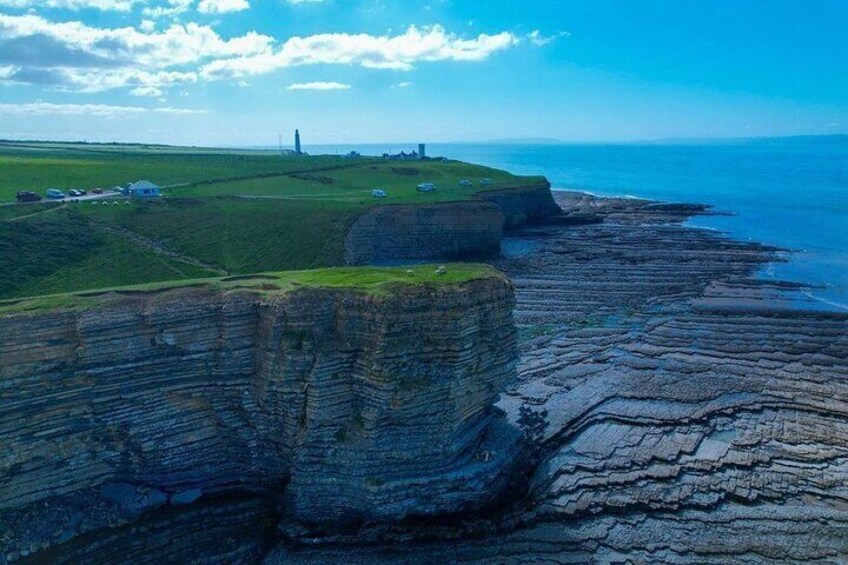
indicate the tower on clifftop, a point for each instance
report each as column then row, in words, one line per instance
column 297, row 142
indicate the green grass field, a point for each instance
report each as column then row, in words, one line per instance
column 222, row 212
column 37, row 167
column 370, row 280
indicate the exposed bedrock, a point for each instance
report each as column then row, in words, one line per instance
column 342, row 406
column 683, row 412
column 446, row 231
column 523, row 206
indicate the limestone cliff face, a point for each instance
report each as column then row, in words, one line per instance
column 447, row 231
column 522, row 206
column 345, row 406
column 684, row 413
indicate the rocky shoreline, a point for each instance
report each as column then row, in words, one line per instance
column 679, row 409
column 673, row 408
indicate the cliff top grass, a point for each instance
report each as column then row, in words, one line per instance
column 206, row 172
column 370, row 280
column 223, row 212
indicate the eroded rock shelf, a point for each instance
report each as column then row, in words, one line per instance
column 681, row 411
column 668, row 407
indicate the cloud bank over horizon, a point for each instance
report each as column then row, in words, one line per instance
column 75, row 56
column 451, row 70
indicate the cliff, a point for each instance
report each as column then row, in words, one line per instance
column 446, row 231
column 682, row 412
column 343, row 406
column 524, row 205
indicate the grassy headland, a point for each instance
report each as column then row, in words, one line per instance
column 223, row 212
column 371, row 280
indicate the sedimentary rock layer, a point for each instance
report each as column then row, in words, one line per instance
column 523, row 206
column 681, row 411
column 446, row 231
column 449, row 231
column 338, row 406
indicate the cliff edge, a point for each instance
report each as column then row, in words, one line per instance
column 343, row 405
column 446, row 231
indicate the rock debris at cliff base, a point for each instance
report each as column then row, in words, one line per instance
column 682, row 411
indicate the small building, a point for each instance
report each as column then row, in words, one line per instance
column 402, row 156
column 422, row 151
column 143, row 189
column 378, row 193
column 426, row 187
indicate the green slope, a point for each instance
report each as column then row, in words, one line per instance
column 232, row 212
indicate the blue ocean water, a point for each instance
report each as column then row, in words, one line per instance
column 789, row 192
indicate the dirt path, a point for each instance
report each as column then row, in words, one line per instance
column 46, row 211
column 160, row 249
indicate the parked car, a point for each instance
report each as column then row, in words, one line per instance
column 378, row 193
column 486, row 182
column 97, row 191
column 27, row 196
column 75, row 192
column 55, row 193
column 426, row 187
column 465, row 182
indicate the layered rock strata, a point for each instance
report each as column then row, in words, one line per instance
column 333, row 407
column 523, row 206
column 448, row 231
column 681, row 411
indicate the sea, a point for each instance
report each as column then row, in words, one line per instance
column 788, row 192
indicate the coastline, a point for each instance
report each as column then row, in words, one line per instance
column 788, row 193
column 667, row 398
column 766, row 273
column 680, row 410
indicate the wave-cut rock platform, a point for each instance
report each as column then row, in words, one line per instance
column 680, row 410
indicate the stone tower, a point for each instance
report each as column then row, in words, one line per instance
column 297, row 142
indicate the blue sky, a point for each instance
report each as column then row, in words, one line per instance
column 238, row 72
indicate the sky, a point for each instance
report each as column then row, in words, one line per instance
column 240, row 72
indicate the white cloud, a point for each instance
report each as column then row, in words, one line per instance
column 296, row 2
column 146, row 91
column 222, row 6
column 73, row 55
column 399, row 52
column 405, row 84
column 174, row 8
column 539, row 40
column 106, row 5
column 47, row 108
column 318, row 86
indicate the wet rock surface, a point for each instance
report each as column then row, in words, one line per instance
column 679, row 410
